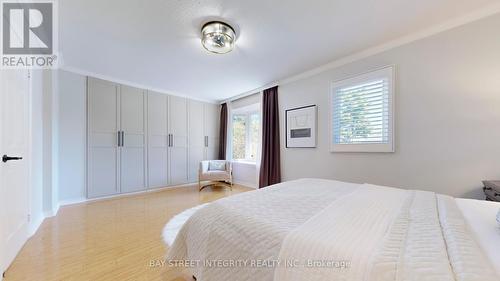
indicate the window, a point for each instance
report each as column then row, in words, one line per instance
column 246, row 135
column 362, row 113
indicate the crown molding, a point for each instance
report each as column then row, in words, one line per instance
column 131, row 84
column 428, row 32
column 251, row 92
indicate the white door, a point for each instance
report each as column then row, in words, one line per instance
column 178, row 140
column 14, row 184
column 103, row 156
column 157, row 140
column 196, row 138
column 212, row 116
column 133, row 148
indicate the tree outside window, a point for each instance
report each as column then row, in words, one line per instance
column 246, row 136
column 239, row 136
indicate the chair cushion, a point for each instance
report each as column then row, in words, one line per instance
column 215, row 176
column 217, row 165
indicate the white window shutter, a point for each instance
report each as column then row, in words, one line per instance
column 362, row 113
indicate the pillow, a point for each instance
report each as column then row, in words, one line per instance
column 217, row 166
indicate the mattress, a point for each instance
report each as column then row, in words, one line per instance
column 349, row 232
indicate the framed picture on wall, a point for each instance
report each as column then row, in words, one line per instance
column 300, row 124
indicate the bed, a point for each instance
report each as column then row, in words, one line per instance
column 315, row 229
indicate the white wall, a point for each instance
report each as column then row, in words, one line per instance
column 245, row 174
column 447, row 116
column 50, row 113
column 37, row 213
column 71, row 136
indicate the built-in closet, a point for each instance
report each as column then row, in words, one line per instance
column 139, row 139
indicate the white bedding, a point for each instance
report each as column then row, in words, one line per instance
column 383, row 233
column 251, row 227
column 348, row 230
column 480, row 216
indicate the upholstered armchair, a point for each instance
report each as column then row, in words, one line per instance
column 216, row 172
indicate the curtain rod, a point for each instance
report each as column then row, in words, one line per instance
column 249, row 93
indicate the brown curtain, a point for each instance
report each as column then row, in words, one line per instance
column 223, row 131
column 270, row 172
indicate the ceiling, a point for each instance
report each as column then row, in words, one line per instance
column 156, row 43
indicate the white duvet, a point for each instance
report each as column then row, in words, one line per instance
column 313, row 229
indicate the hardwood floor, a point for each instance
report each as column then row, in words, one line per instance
column 113, row 239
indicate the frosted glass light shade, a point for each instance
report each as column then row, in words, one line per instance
column 217, row 37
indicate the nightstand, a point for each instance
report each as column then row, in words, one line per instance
column 492, row 190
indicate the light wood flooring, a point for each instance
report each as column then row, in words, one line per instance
column 113, row 239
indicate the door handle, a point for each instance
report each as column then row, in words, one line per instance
column 171, row 140
column 123, row 138
column 6, row 158
column 206, row 141
column 119, row 138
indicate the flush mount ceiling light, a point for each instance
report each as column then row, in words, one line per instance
column 217, row 37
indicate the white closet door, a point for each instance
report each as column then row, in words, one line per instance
column 196, row 138
column 133, row 149
column 178, row 146
column 212, row 112
column 103, row 157
column 158, row 140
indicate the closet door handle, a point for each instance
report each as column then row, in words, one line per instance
column 123, row 138
column 6, row 158
column 119, row 139
column 171, row 140
column 206, row 141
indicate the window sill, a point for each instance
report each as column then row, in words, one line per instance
column 246, row 162
column 386, row 147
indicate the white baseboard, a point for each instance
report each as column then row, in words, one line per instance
column 16, row 243
column 247, row 184
column 68, row 202
column 53, row 212
column 35, row 223
column 72, row 201
column 31, row 228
